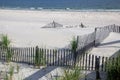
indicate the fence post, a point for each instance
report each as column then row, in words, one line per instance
column 95, row 37
column 77, row 41
column 97, row 62
column 75, row 51
column 75, row 56
column 119, row 29
column 36, row 56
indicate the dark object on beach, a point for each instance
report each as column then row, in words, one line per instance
column 53, row 25
column 82, row 25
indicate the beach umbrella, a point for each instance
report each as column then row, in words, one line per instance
column 53, row 25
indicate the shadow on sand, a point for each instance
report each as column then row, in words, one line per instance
column 109, row 43
column 42, row 72
column 90, row 75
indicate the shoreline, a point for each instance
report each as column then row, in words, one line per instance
column 62, row 10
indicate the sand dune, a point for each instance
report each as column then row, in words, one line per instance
column 24, row 27
column 109, row 47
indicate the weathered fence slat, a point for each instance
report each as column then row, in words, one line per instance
column 86, row 62
column 50, row 57
column 53, row 57
column 83, row 61
column 92, row 62
column 61, row 61
column 102, row 65
column 47, row 57
column 64, row 58
column 89, row 65
column 106, row 62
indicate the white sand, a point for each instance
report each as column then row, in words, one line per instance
column 23, row 27
column 50, row 38
column 40, row 18
column 29, row 72
column 109, row 47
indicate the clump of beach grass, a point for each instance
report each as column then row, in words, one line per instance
column 17, row 68
column 11, row 72
column 72, row 74
column 5, row 43
column 6, row 77
column 39, row 57
column 74, row 44
column 113, row 69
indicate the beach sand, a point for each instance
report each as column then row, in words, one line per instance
column 24, row 27
column 110, row 47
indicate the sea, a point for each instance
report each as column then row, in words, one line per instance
column 77, row 5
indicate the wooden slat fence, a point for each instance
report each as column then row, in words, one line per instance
column 111, row 28
column 64, row 57
column 86, row 42
column 102, row 32
column 50, row 57
column 55, row 57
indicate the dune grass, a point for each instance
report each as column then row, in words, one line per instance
column 72, row 74
column 39, row 57
column 5, row 43
column 113, row 69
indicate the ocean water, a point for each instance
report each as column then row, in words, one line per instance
column 60, row 4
